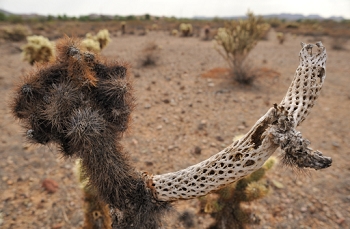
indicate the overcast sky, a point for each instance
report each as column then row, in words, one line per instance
column 179, row 8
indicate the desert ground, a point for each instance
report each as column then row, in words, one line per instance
column 189, row 100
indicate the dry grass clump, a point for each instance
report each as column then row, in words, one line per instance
column 38, row 49
column 150, row 55
column 15, row 33
column 236, row 40
column 338, row 43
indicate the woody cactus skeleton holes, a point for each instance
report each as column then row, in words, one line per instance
column 83, row 103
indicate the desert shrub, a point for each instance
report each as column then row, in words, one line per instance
column 15, row 33
column 280, row 37
column 236, row 40
column 225, row 205
column 292, row 25
column 38, row 49
column 186, row 29
column 338, row 43
column 150, row 55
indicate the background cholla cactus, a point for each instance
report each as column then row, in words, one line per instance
column 207, row 32
column 154, row 27
column 95, row 210
column 174, row 32
column 15, row 33
column 90, row 43
column 225, row 205
column 239, row 38
column 123, row 27
column 103, row 38
column 236, row 40
column 186, row 29
column 280, row 37
column 38, row 49
column 98, row 42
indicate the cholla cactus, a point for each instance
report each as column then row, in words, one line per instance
column 174, row 32
column 154, row 27
column 280, row 37
column 83, row 104
column 91, row 44
column 15, row 33
column 238, row 38
column 98, row 42
column 225, row 204
column 186, row 29
column 123, row 27
column 103, row 38
column 38, row 49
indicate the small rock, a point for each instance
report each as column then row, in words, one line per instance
column 303, row 209
column 57, row 226
column 241, row 127
column 219, row 138
column 50, row 185
column 166, row 101
column 277, row 184
column 211, row 84
column 134, row 141
column 159, row 127
column 197, row 150
column 149, row 163
column 147, row 106
column 340, row 221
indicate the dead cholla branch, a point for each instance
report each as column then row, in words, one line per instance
column 296, row 151
column 250, row 152
column 83, row 103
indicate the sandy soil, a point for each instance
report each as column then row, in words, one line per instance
column 188, row 100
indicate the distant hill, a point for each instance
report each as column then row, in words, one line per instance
column 5, row 12
column 285, row 16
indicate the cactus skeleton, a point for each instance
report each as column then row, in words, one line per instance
column 248, row 154
column 82, row 103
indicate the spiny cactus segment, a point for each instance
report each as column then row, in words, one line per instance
column 83, row 103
